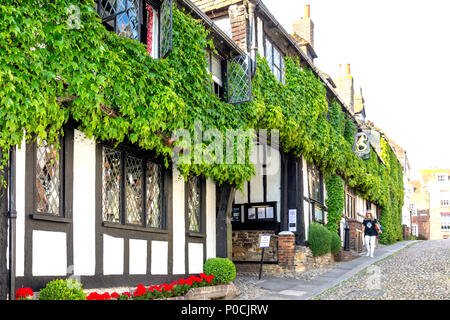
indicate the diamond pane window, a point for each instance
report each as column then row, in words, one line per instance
column 153, row 195
column 121, row 16
column 48, row 179
column 166, row 19
column 132, row 189
column 239, row 82
column 134, row 186
column 194, row 207
column 111, row 185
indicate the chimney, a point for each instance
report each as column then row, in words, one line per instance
column 304, row 33
column 358, row 105
column 344, row 86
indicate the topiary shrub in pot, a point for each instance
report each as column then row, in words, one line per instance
column 223, row 269
column 335, row 243
column 319, row 239
column 68, row 289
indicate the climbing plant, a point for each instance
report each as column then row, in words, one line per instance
column 112, row 88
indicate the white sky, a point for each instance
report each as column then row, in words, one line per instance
column 399, row 54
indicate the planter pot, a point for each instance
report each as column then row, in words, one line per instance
column 222, row 291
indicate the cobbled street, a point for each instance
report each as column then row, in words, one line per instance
column 420, row 272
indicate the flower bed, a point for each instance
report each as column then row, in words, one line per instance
column 175, row 289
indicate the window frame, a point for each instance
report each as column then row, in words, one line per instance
column 445, row 225
column 144, row 158
column 316, row 204
column 66, row 180
column 202, row 200
column 142, row 22
column 281, row 68
column 220, row 93
column 62, row 187
column 139, row 16
column 350, row 202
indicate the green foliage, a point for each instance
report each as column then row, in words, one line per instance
column 222, row 269
column 299, row 109
column 336, row 242
column 68, row 289
column 108, row 83
column 116, row 91
column 319, row 239
column 335, row 201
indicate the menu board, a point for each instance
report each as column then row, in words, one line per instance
column 236, row 214
column 292, row 219
column 269, row 213
column 261, row 213
column 251, row 213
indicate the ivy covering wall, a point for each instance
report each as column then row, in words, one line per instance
column 117, row 92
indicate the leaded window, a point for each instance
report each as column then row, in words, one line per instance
column 238, row 79
column 132, row 189
column 275, row 60
column 194, row 210
column 48, row 187
column 121, row 16
column 140, row 21
column 166, row 28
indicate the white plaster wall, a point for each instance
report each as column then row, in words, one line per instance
column 256, row 186
column 83, row 204
column 49, row 253
column 241, row 196
column 179, row 231
column 160, row 254
column 195, row 260
column 113, row 255
column 137, row 256
column 210, row 219
column 20, row 208
column 274, row 180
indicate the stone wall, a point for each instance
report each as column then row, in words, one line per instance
column 246, row 246
column 291, row 258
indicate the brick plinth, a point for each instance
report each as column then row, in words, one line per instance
column 286, row 248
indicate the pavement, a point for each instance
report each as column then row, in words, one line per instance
column 291, row 289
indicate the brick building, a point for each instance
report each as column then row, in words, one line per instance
column 430, row 204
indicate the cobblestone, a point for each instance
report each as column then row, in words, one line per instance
column 419, row 272
column 247, row 282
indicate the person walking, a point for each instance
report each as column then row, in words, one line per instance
column 370, row 231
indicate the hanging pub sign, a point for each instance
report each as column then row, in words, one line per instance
column 361, row 145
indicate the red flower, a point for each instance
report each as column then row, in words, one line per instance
column 189, row 282
column 115, row 295
column 127, row 294
column 174, row 283
column 24, row 293
column 209, row 278
column 181, row 281
column 203, row 275
column 140, row 290
column 167, row 287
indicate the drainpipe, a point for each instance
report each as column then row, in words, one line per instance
column 253, row 48
column 12, row 215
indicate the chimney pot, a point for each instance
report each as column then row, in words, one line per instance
column 307, row 11
column 347, row 69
